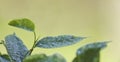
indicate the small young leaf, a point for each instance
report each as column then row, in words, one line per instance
column 4, row 58
column 90, row 52
column 23, row 23
column 44, row 58
column 15, row 48
column 59, row 41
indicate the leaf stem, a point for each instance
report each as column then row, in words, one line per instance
column 34, row 36
column 35, row 40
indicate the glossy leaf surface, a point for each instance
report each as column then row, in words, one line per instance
column 15, row 48
column 58, row 41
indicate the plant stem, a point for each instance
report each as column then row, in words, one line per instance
column 34, row 36
column 35, row 40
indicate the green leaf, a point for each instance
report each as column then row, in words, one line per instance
column 59, row 41
column 23, row 23
column 35, row 58
column 45, row 58
column 15, row 48
column 90, row 52
column 56, row 58
column 4, row 58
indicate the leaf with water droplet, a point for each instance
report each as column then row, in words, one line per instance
column 45, row 58
column 23, row 23
column 15, row 48
column 58, row 41
column 90, row 52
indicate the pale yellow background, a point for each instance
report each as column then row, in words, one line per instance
column 96, row 19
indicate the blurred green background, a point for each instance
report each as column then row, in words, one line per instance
column 98, row 20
